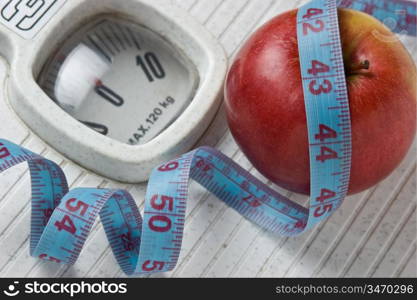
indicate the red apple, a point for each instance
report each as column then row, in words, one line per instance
column 265, row 103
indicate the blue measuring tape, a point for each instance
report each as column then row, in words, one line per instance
column 327, row 107
column 61, row 219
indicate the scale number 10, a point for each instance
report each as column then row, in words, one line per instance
column 151, row 66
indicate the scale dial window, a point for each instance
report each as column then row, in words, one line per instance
column 120, row 79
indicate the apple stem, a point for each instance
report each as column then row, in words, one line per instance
column 363, row 65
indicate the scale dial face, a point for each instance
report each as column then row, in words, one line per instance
column 120, row 79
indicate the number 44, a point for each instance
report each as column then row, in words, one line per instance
column 326, row 153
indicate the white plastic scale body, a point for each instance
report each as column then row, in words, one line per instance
column 116, row 86
column 371, row 235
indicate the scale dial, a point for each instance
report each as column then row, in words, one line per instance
column 118, row 87
column 121, row 80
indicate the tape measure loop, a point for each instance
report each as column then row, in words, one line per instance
column 49, row 185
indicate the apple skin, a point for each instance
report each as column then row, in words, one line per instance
column 265, row 103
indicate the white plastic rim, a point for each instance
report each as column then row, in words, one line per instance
column 105, row 156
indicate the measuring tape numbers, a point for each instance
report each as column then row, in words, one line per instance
column 327, row 107
column 61, row 219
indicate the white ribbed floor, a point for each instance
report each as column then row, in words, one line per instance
column 372, row 235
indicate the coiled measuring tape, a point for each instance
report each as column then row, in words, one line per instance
column 61, row 219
